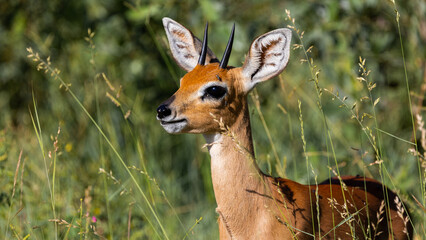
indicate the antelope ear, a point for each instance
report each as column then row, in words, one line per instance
column 267, row 57
column 184, row 45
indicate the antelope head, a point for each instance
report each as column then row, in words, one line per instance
column 212, row 88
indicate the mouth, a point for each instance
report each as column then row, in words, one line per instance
column 173, row 122
column 174, row 126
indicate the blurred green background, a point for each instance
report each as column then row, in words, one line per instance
column 44, row 195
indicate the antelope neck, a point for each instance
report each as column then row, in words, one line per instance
column 235, row 173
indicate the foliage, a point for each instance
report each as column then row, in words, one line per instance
column 65, row 175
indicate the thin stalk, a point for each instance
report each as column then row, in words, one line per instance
column 318, row 90
column 161, row 51
column 98, row 120
column 37, row 129
column 378, row 150
column 255, row 98
column 307, row 167
column 145, row 171
column 119, row 158
column 197, row 221
column 81, row 219
column 422, row 183
column 53, row 193
column 46, row 66
column 410, row 106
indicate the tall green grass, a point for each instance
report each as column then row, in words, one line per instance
column 112, row 172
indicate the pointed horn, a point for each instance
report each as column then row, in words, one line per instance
column 202, row 59
column 225, row 58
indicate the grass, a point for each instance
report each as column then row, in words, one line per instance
column 112, row 172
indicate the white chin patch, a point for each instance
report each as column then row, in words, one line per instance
column 176, row 127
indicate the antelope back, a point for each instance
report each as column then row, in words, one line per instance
column 211, row 90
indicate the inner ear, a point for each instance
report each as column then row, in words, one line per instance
column 268, row 56
column 185, row 47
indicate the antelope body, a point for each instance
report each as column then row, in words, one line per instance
column 212, row 100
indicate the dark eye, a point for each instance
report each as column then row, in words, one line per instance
column 215, row 92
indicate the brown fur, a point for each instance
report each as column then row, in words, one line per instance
column 252, row 205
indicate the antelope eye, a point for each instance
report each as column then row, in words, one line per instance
column 215, row 91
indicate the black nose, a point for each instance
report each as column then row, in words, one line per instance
column 163, row 111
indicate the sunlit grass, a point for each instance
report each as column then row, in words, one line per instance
column 156, row 186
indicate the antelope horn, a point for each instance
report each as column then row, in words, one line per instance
column 225, row 58
column 202, row 59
